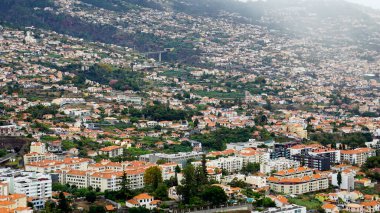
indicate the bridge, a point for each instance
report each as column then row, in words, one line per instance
column 166, row 50
column 7, row 157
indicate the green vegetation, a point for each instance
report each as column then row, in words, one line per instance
column 307, row 201
column 159, row 112
column 117, row 78
column 38, row 111
column 353, row 140
column 217, row 140
column 3, row 152
column 221, row 95
column 153, row 177
column 372, row 163
column 197, row 190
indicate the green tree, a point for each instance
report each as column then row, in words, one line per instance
column 215, row 195
column 153, row 177
column 189, row 185
column 63, row 203
column 138, row 210
column 339, row 178
column 161, row 191
column 251, row 167
column 91, row 196
column 96, row 209
column 124, row 184
column 265, row 202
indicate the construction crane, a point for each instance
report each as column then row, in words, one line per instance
column 166, row 50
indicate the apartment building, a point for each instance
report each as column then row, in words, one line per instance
column 294, row 173
column 251, row 155
column 8, row 130
column 48, row 166
column 230, row 164
column 298, row 185
column 14, row 203
column 286, row 209
column 168, row 170
column 111, row 151
column 33, row 185
column 357, row 156
column 180, row 158
column 37, row 147
column 348, row 180
column 332, row 154
column 35, row 157
column 313, row 161
column 282, row 150
column 278, row 165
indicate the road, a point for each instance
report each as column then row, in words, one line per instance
column 7, row 157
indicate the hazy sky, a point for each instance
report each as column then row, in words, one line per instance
column 370, row 3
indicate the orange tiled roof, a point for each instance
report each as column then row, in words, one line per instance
column 142, row 196
column 370, row 203
column 109, row 148
column 329, row 206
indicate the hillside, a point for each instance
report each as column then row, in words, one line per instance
column 184, row 25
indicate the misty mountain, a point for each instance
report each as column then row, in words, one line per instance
column 107, row 20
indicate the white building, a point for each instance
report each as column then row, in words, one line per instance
column 357, row 156
column 278, row 165
column 143, row 200
column 287, row 209
column 32, row 184
column 38, row 147
column 230, row 164
column 348, row 180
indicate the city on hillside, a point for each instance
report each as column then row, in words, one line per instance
column 189, row 106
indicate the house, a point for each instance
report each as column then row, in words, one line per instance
column 111, row 151
column 143, row 200
column 353, row 207
column 280, row 200
column 371, row 206
column 330, row 208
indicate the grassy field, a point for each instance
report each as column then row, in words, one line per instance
column 221, row 95
column 309, row 203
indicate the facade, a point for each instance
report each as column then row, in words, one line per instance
column 35, row 157
column 332, row 154
column 111, row 151
column 250, row 155
column 348, row 180
column 298, row 185
column 278, row 165
column 313, row 161
column 48, row 166
column 286, row 209
column 38, row 147
column 31, row 184
column 357, row 156
column 282, row 150
column 143, row 200
column 230, row 164
column 8, row 130
column 14, row 203
column 180, row 158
